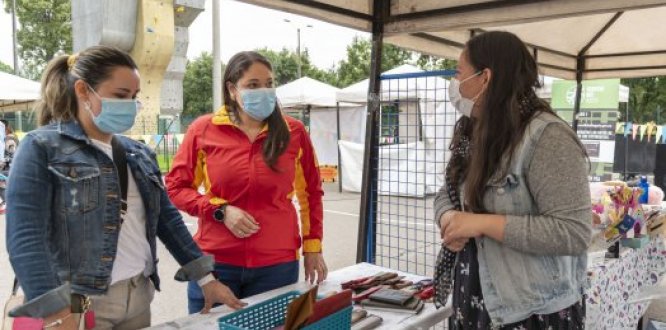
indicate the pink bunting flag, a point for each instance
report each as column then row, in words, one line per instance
column 634, row 130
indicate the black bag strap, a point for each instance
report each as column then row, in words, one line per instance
column 120, row 159
column 15, row 287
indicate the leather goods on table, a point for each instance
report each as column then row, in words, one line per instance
column 330, row 305
column 413, row 306
column 368, row 323
column 300, row 309
column 368, row 282
column 357, row 315
column 391, row 296
column 366, row 294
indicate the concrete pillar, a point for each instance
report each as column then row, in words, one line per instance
column 155, row 33
column 152, row 51
column 104, row 22
column 185, row 12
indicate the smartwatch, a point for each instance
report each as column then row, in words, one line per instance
column 219, row 213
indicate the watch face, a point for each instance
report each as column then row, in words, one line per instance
column 218, row 215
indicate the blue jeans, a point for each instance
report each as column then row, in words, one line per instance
column 245, row 282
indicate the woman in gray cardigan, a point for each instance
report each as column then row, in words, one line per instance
column 515, row 210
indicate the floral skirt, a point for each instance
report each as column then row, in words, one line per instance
column 469, row 311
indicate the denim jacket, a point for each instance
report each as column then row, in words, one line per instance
column 515, row 283
column 63, row 217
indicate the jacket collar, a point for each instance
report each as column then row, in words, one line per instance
column 222, row 117
column 72, row 129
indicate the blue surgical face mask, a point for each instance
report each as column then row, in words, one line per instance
column 116, row 116
column 258, row 103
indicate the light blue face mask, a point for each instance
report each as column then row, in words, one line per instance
column 258, row 103
column 117, row 115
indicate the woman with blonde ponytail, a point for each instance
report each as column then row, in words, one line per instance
column 86, row 204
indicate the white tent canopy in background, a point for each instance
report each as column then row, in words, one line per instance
column 14, row 89
column 414, row 166
column 307, row 93
column 397, row 89
column 598, row 38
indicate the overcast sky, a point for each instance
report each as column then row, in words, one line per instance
column 245, row 27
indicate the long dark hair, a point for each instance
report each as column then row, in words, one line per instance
column 508, row 104
column 93, row 65
column 278, row 132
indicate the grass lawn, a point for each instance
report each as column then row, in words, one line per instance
column 165, row 162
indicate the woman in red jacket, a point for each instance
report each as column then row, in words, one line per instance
column 238, row 170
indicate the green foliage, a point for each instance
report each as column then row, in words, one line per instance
column 45, row 31
column 285, row 67
column 429, row 63
column 357, row 65
column 647, row 100
column 198, row 86
column 6, row 68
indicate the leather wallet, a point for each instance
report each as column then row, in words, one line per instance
column 370, row 322
column 414, row 306
column 330, row 305
column 391, row 296
column 365, row 294
column 300, row 309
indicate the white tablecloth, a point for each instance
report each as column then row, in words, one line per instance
column 428, row 317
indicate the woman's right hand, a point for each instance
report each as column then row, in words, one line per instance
column 457, row 245
column 240, row 223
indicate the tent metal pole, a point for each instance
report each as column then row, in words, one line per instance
column 368, row 214
column 580, row 67
column 337, row 115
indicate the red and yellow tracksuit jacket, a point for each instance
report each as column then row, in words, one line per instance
column 218, row 156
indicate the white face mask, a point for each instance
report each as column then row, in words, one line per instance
column 461, row 103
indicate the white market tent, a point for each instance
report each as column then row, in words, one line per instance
column 306, row 91
column 16, row 90
column 402, row 89
column 318, row 98
column 414, row 166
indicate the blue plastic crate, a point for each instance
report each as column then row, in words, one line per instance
column 272, row 313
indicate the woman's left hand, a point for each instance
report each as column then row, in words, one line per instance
column 461, row 226
column 216, row 292
column 313, row 262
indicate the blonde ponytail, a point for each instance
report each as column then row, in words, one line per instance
column 58, row 100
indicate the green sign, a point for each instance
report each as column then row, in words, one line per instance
column 596, row 94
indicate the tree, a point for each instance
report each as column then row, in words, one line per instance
column 45, row 31
column 6, row 68
column 284, row 63
column 357, row 65
column 198, row 86
column 647, row 99
column 285, row 66
column 429, row 63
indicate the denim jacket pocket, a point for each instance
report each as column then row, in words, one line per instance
column 501, row 194
column 78, row 186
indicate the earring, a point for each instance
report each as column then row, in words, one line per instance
column 87, row 106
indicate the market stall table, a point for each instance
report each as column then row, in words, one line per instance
column 615, row 281
column 428, row 317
